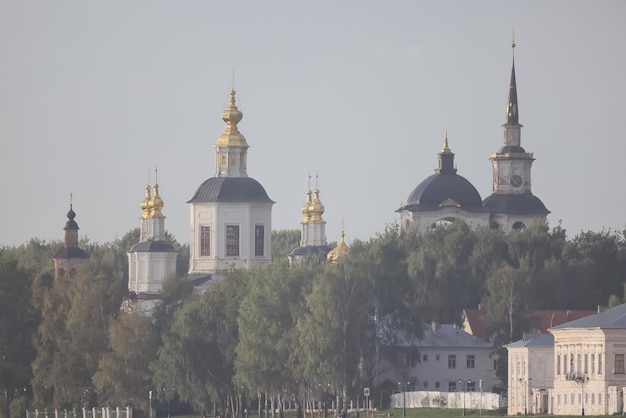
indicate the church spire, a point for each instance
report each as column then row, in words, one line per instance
column 512, row 116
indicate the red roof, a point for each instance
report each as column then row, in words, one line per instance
column 475, row 320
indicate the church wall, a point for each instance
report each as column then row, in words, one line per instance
column 218, row 216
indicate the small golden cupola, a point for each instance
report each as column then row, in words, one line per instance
column 316, row 209
column 156, row 204
column 336, row 254
column 145, row 203
column 232, row 116
column 306, row 212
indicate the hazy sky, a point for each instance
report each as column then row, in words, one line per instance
column 363, row 92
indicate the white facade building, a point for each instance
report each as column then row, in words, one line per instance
column 582, row 372
column 445, row 358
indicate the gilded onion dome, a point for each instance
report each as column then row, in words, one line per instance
column 156, row 204
column 316, row 209
column 231, row 136
column 336, row 254
column 145, row 203
column 306, row 208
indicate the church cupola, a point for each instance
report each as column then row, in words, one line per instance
column 70, row 258
column 313, row 225
column 231, row 147
column 446, row 159
column 152, row 225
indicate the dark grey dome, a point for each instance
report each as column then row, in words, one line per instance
column 519, row 204
column 438, row 188
column 71, row 252
column 152, row 247
column 512, row 149
column 231, row 189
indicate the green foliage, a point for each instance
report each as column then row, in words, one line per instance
column 283, row 242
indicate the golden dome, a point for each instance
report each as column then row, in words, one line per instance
column 231, row 136
column 337, row 253
column 156, row 204
column 316, row 209
column 306, row 208
column 145, row 203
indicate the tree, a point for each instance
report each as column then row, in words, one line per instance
column 283, row 242
column 334, row 326
column 196, row 359
column 17, row 326
column 124, row 376
column 267, row 354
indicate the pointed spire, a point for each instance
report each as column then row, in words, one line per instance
column 512, row 116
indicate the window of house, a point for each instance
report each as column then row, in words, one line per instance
column 599, row 367
column 205, row 241
column 565, row 363
column 565, row 399
column 232, row 240
column 451, row 386
column 437, row 385
column 585, row 363
column 471, row 386
column 558, row 399
column 425, row 357
column 471, row 359
column 599, row 399
column 579, row 360
column 619, row 364
column 437, row 357
column 593, row 398
column 571, row 363
column 425, row 385
column 558, row 364
column 451, row 361
column 259, row 240
column 593, row 363
column 572, row 397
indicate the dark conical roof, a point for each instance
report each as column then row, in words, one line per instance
column 231, row 189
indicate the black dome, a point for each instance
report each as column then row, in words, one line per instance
column 152, row 247
column 438, row 188
column 513, row 149
column 519, row 204
column 231, row 189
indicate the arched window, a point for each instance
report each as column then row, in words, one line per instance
column 519, row 225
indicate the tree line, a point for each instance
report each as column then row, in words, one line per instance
column 262, row 337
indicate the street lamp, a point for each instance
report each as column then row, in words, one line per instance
column 582, row 380
column 463, row 385
column 400, row 384
column 522, row 383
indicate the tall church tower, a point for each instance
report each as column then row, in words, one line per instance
column 70, row 258
column 313, row 236
column 512, row 204
column 152, row 259
column 230, row 214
